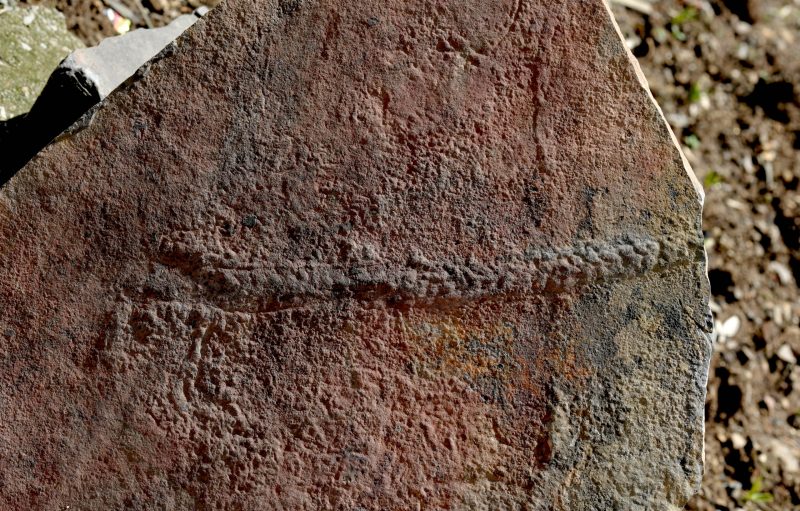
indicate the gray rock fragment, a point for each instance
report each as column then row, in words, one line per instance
column 107, row 65
column 83, row 79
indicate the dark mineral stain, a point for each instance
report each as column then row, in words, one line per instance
column 288, row 7
column 249, row 221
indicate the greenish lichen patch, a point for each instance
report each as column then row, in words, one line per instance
column 33, row 40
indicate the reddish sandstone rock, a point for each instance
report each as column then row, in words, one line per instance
column 360, row 255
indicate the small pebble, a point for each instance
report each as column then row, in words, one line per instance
column 786, row 354
column 782, row 271
column 729, row 327
column 738, row 440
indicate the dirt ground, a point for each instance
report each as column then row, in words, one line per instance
column 727, row 75
column 89, row 21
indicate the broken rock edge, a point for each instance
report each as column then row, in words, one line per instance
column 707, row 333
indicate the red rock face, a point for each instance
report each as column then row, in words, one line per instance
column 360, row 255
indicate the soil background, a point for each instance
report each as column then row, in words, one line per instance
column 727, row 75
column 89, row 21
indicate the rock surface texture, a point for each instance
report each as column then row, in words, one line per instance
column 360, row 255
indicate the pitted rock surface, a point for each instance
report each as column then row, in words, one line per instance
column 360, row 255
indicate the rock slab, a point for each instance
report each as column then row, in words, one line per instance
column 360, row 255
